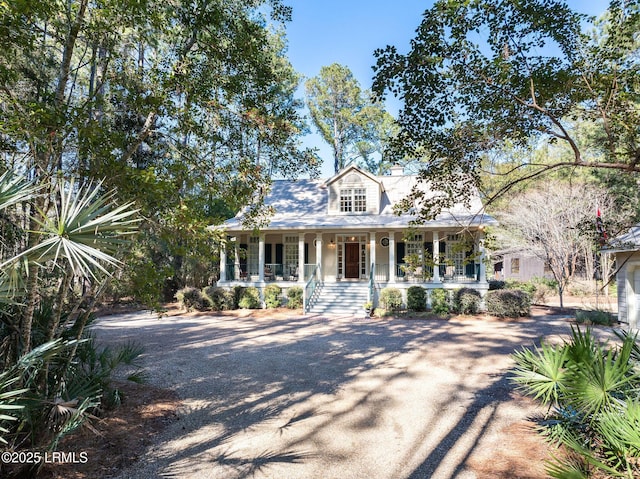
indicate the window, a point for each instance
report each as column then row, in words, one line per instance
column 291, row 255
column 359, row 200
column 415, row 247
column 455, row 253
column 346, row 201
column 353, row 200
column 252, row 256
column 515, row 265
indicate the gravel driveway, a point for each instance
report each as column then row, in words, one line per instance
column 311, row 397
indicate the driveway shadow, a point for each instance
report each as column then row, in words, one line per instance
column 309, row 397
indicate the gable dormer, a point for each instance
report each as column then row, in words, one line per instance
column 354, row 192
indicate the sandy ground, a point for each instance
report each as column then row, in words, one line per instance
column 312, row 397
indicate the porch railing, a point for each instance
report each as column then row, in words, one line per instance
column 272, row 272
column 309, row 291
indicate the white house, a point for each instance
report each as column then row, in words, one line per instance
column 341, row 235
column 627, row 252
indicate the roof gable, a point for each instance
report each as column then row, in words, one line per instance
column 348, row 173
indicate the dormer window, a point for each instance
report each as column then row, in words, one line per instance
column 353, row 200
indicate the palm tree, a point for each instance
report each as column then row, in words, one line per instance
column 79, row 238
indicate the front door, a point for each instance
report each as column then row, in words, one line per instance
column 352, row 260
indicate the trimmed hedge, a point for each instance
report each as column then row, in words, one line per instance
column 219, row 299
column 416, row 298
column 467, row 301
column 191, row 298
column 511, row 303
column 391, row 299
column 440, row 302
column 294, row 296
column 272, row 295
column 250, row 298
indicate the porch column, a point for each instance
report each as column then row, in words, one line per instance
column 319, row 255
column 261, row 258
column 483, row 265
column 223, row 262
column 301, row 258
column 372, row 251
column 436, row 257
column 236, row 253
column 392, row 257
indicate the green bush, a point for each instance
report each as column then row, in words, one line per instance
column 594, row 316
column 273, row 296
column 237, row 291
column 294, row 297
column 218, row 299
column 496, row 284
column 590, row 392
column 467, row 301
column 529, row 286
column 511, row 303
column 191, row 298
column 250, row 298
column 440, row 302
column 416, row 298
column 391, row 299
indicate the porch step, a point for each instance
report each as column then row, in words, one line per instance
column 341, row 298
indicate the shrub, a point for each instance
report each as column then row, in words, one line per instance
column 294, row 296
column 529, row 287
column 589, row 390
column 496, row 284
column 467, row 301
column 440, row 302
column 511, row 303
column 542, row 292
column 219, row 299
column 391, row 299
column 594, row 316
column 416, row 298
column 237, row 291
column 273, row 296
column 190, row 299
column 250, row 298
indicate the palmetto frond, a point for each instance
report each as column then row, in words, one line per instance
column 597, row 384
column 85, row 231
column 541, row 372
column 14, row 189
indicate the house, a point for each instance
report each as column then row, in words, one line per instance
column 626, row 249
column 518, row 265
column 340, row 239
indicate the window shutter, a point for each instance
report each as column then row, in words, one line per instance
column 306, row 253
column 279, row 253
column 243, row 257
column 470, row 267
column 267, row 254
column 400, row 253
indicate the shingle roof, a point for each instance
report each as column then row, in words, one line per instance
column 303, row 204
column 629, row 241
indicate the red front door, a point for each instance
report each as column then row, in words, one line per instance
column 352, row 260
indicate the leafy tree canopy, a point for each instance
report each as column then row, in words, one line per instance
column 186, row 108
column 355, row 126
column 484, row 74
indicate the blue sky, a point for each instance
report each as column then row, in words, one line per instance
column 323, row 32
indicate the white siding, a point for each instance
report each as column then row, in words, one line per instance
column 355, row 180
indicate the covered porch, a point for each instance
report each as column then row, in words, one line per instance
column 429, row 257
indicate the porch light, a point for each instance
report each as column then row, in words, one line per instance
column 332, row 244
